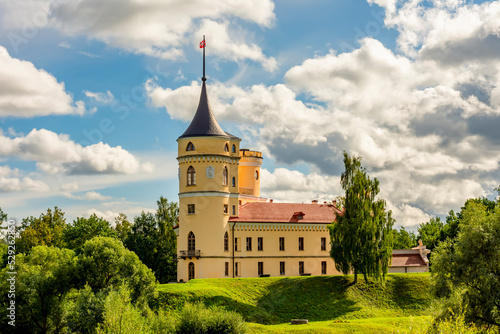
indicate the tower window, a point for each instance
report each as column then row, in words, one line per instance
column 226, row 207
column 191, row 242
column 233, row 149
column 190, row 147
column 226, row 148
column 260, row 268
column 233, row 182
column 191, row 270
column 234, row 210
column 256, row 175
column 191, row 176
column 224, row 176
column 190, row 209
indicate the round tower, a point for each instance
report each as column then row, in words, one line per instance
column 249, row 173
column 208, row 195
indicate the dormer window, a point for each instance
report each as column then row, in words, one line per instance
column 190, row 147
column 226, row 148
column 298, row 215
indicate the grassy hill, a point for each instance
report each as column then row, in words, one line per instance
column 328, row 300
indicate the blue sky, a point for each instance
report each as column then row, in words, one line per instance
column 94, row 94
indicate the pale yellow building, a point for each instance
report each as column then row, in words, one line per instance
column 225, row 228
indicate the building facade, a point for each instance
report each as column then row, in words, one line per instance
column 225, row 228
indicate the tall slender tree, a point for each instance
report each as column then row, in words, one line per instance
column 361, row 237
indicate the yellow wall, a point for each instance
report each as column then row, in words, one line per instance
column 249, row 164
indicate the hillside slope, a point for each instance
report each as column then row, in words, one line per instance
column 277, row 300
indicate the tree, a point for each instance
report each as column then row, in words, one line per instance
column 44, row 278
column 154, row 241
column 361, row 237
column 3, row 216
column 122, row 226
column 466, row 269
column 431, row 233
column 47, row 230
column 403, row 239
column 84, row 229
column 105, row 263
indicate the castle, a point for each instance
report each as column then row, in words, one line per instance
column 225, row 228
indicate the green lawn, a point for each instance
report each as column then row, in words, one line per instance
column 331, row 303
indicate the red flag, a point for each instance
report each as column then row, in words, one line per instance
column 202, row 44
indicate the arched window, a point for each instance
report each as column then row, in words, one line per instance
column 224, row 176
column 256, row 175
column 233, row 182
column 191, row 242
column 226, row 242
column 191, row 176
column 226, row 148
column 190, row 147
column 191, row 270
column 233, row 149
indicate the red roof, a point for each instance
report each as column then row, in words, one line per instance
column 260, row 212
column 407, row 260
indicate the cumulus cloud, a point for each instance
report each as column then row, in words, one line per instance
column 156, row 28
column 87, row 196
column 11, row 180
column 26, row 91
column 57, row 153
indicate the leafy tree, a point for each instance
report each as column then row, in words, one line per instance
column 86, row 310
column 122, row 227
column 44, row 278
column 361, row 238
column 431, row 233
column 47, row 230
column 466, row 269
column 84, row 229
column 104, row 263
column 154, row 241
column 403, row 239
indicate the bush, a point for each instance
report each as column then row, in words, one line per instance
column 198, row 319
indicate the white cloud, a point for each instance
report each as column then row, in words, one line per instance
column 105, row 98
column 56, row 154
column 26, row 91
column 232, row 46
column 106, row 215
column 155, row 27
column 87, row 196
column 12, row 181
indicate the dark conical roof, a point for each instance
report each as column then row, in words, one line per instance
column 204, row 122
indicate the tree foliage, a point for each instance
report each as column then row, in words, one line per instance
column 122, row 226
column 44, row 278
column 84, row 229
column 403, row 239
column 105, row 262
column 467, row 269
column 46, row 230
column 154, row 241
column 361, row 238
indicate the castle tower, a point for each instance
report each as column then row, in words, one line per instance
column 208, row 195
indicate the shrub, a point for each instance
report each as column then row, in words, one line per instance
column 198, row 319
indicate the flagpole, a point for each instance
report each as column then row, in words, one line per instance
column 204, row 46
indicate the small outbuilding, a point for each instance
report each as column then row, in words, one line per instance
column 410, row 260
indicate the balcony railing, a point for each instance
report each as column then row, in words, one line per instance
column 189, row 253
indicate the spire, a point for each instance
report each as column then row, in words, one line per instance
column 204, row 122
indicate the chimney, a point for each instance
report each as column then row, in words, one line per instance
column 271, row 200
column 314, row 201
column 324, row 202
column 334, row 202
